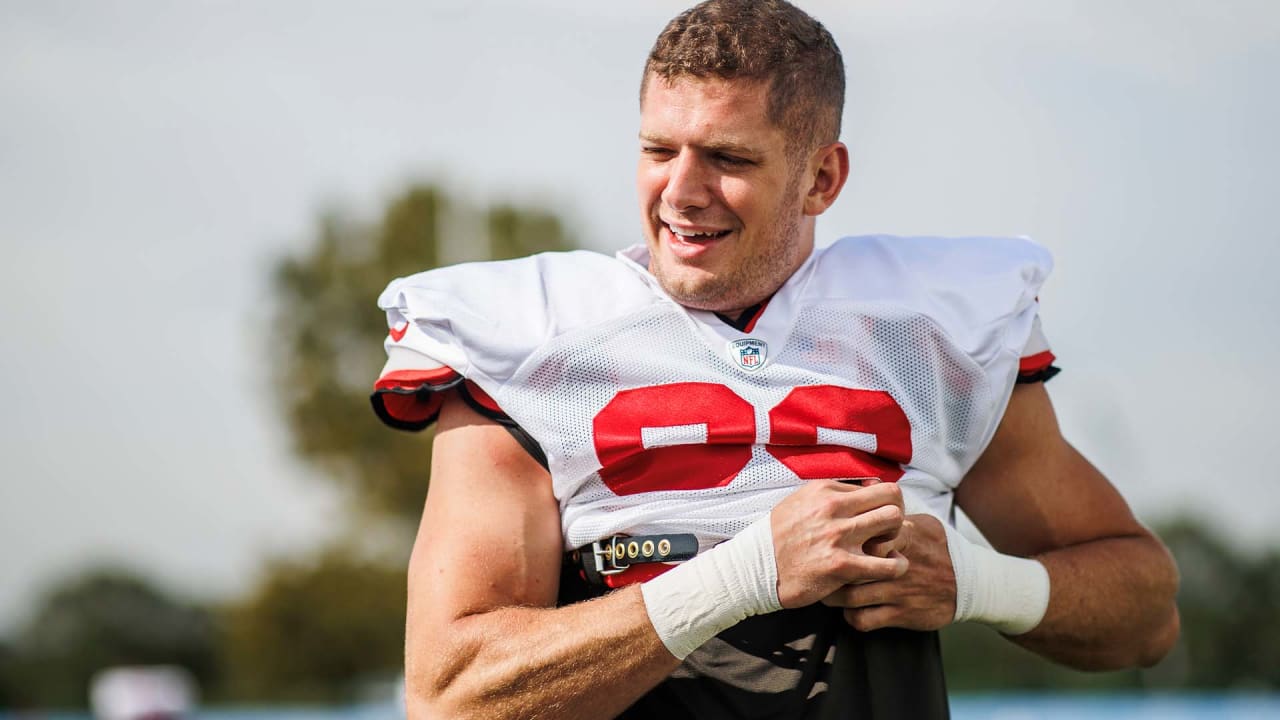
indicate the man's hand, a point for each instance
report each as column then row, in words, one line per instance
column 1111, row 582
column 819, row 533
column 923, row 598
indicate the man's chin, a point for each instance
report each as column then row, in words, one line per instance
column 709, row 292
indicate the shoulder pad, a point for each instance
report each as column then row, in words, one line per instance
column 971, row 286
column 482, row 320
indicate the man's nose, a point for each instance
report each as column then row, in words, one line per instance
column 687, row 183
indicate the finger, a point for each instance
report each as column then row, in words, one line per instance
column 861, row 482
column 858, row 568
column 870, row 618
column 901, row 541
column 862, row 595
column 868, row 498
column 858, row 595
column 835, row 499
column 869, row 594
column 884, row 521
column 882, row 545
column 840, row 598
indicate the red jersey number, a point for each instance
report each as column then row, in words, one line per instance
column 691, row 410
column 628, row 467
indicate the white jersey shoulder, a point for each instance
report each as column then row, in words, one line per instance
column 972, row 286
column 880, row 357
column 484, row 319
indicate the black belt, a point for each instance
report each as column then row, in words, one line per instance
column 612, row 555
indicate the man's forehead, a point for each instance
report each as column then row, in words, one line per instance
column 727, row 111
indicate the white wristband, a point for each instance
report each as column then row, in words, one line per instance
column 1008, row 593
column 692, row 602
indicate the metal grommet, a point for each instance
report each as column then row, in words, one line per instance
column 633, row 549
column 619, row 552
column 647, row 548
column 664, row 547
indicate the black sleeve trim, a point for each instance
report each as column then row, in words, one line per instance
column 423, row 393
column 521, row 435
column 1039, row 376
column 527, row 442
column 392, row 422
column 490, row 412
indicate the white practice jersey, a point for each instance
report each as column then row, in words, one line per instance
column 881, row 357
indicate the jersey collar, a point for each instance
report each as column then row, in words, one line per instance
column 774, row 323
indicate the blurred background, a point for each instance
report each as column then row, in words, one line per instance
column 199, row 202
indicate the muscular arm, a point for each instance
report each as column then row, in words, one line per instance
column 1112, row 583
column 483, row 638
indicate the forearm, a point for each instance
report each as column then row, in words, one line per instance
column 1111, row 582
column 588, row 660
column 524, row 662
column 1111, row 604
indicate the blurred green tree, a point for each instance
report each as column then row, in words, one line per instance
column 1228, row 604
column 314, row 630
column 10, row 695
column 326, row 337
column 103, row 618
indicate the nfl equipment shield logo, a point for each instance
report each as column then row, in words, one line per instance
column 748, row 354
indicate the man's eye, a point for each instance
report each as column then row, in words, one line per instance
column 732, row 160
column 656, row 151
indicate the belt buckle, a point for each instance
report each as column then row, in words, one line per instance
column 609, row 557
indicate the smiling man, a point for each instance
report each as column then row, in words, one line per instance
column 712, row 477
column 725, row 221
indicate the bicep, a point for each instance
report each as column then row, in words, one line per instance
column 1032, row 492
column 490, row 531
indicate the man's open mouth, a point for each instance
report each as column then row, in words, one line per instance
column 697, row 235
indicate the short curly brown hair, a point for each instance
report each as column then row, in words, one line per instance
column 768, row 40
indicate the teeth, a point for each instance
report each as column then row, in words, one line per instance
column 682, row 233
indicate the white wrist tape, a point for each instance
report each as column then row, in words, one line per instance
column 692, row 602
column 1008, row 593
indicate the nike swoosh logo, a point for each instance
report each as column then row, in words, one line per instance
column 398, row 332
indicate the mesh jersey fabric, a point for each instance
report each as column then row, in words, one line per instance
column 560, row 341
column 649, row 422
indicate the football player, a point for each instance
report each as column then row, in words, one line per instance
column 715, row 475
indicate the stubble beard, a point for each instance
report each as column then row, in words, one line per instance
column 751, row 279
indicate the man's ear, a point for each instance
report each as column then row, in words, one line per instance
column 828, row 171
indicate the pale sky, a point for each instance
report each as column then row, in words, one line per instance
column 156, row 157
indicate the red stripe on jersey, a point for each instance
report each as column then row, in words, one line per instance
column 411, row 408
column 413, row 379
column 752, row 322
column 636, row 574
column 482, row 398
column 1032, row 364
